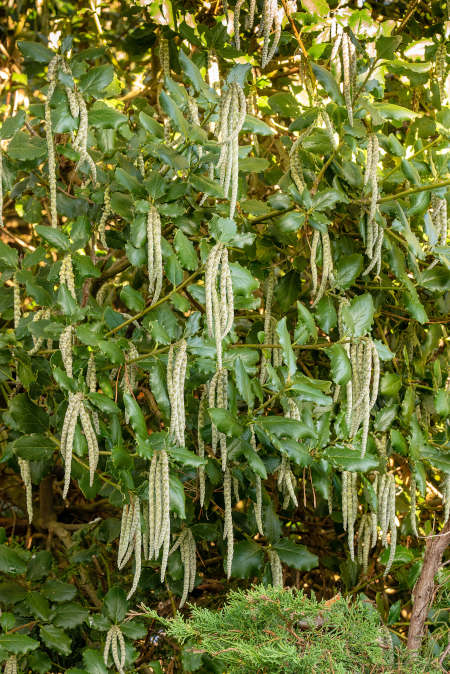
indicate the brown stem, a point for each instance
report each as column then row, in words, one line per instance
column 424, row 589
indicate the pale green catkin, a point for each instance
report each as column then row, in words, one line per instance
column 201, row 443
column 188, row 549
column 115, row 642
column 51, row 76
column 219, row 299
column 176, row 372
column 412, row 491
column 11, row 665
column 236, row 23
column 271, row 19
column 446, row 497
column 1, row 187
column 16, row 302
column 159, row 509
column 258, row 488
column 270, row 287
column 228, row 533
column 275, row 568
column 26, row 477
column 104, row 218
column 347, row 58
column 441, row 70
column 154, row 254
column 233, row 109
column 350, row 507
column 327, row 266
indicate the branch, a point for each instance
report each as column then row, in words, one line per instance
column 424, row 589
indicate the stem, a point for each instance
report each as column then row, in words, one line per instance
column 157, row 304
column 414, row 190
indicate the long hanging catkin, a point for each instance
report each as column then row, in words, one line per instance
column 233, row 109
column 201, row 443
column 26, row 477
column 275, row 568
column 154, row 254
column 386, row 515
column 258, row 489
column 286, row 480
column 374, row 232
column 270, row 287
column 218, row 397
column 219, row 298
column 188, row 549
column 365, row 364
column 11, row 665
column 176, row 372
column 271, row 18
column 114, row 641
column 104, row 217
column 130, row 540
column 159, row 509
column 350, row 507
column 51, row 76
column 327, row 265
column 228, row 534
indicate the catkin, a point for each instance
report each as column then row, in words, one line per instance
column 51, row 76
column 115, row 642
column 438, row 214
column 154, row 254
column 228, row 534
column 286, row 480
column 258, row 488
column 66, row 347
column 275, row 568
column 41, row 314
column 365, row 364
column 365, row 540
column 347, row 54
column 413, row 518
column 130, row 540
column 327, row 265
column 159, row 509
column 104, row 217
column 11, row 665
column 236, row 23
column 188, row 549
column 270, row 287
column 176, row 372
column 350, row 507
column 233, row 109
column 218, row 397
column 295, row 164
column 219, row 300
column 75, row 409
column 81, row 140
column 201, row 443
column 164, row 56
column 26, row 477
column 386, row 515
column 374, row 232
column 1, row 187
column 271, row 19
column 441, row 70
column 16, row 302
column 446, row 497
column 66, row 275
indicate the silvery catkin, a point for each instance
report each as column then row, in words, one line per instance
column 159, row 508
column 271, row 18
column 154, row 254
column 233, row 109
column 188, row 549
column 327, row 265
column 219, row 299
column 114, row 641
column 26, row 477
column 176, row 372
column 275, row 568
column 51, row 76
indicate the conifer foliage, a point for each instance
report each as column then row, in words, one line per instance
column 224, row 281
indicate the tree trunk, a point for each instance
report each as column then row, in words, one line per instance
column 424, row 589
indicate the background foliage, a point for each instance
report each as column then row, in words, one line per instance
column 61, row 589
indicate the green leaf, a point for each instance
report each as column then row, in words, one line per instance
column 248, row 559
column 296, row 556
column 225, row 422
column 281, row 426
column 186, row 457
column 255, row 462
column 328, row 82
column 112, row 351
column 206, row 185
column 132, row 299
column 256, row 125
column 115, row 604
column 26, row 148
column 105, row 117
column 12, row 124
column 341, row 369
column 93, row 661
column 29, row 417
column 103, row 403
column 11, row 562
column 8, row 255
column 358, row 316
column 68, row 304
column 348, row 269
column 243, row 383
column 253, row 165
column 136, row 416
column 391, row 111
column 177, row 497
column 436, row 279
column 95, row 81
column 35, row 51
column 285, row 341
column 56, row 639
column 172, row 110
column 18, row 643
column 390, row 384
column 306, row 328
column 151, row 125
column 386, row 46
column 185, row 251
column 347, row 458
column 34, row 447
column 57, row 590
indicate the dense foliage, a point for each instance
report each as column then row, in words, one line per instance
column 224, row 286
column 276, row 630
